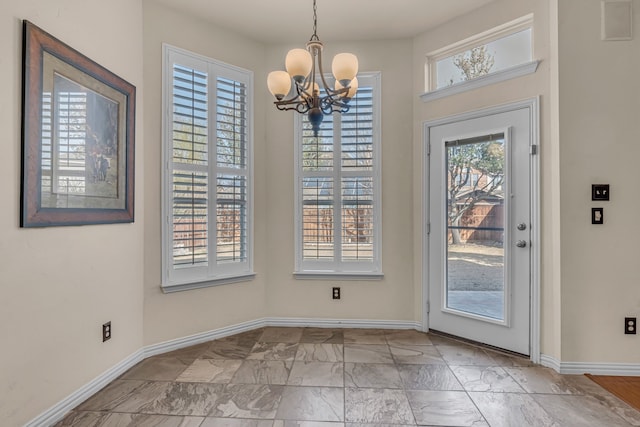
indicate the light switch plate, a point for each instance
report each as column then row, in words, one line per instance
column 597, row 215
column 600, row 192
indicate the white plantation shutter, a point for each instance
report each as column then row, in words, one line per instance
column 338, row 194
column 357, row 184
column 190, row 167
column 231, row 155
column 207, row 178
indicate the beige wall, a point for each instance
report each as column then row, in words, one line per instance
column 386, row 299
column 599, row 143
column 537, row 84
column 590, row 100
column 274, row 292
column 60, row 284
column 176, row 315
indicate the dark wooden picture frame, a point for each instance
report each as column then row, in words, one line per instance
column 78, row 137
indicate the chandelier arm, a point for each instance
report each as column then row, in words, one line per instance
column 330, row 100
column 300, row 106
column 329, row 106
column 303, row 90
column 340, row 93
column 312, row 76
column 302, row 96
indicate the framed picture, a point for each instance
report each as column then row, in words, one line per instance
column 77, row 137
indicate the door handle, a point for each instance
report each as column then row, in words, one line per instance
column 522, row 226
column 521, row 243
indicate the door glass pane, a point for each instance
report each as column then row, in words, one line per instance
column 475, row 226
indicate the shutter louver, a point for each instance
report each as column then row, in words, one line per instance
column 231, row 155
column 357, row 218
column 317, row 218
column 190, row 171
column 339, row 203
column 231, row 218
column 357, row 132
column 357, row 191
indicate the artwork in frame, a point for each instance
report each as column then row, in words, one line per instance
column 78, row 126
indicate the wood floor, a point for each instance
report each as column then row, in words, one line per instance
column 626, row 388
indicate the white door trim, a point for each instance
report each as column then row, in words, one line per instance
column 533, row 105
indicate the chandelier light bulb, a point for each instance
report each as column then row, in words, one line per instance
column 298, row 64
column 279, row 84
column 353, row 88
column 344, row 67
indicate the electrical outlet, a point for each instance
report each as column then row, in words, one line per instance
column 106, row 331
column 630, row 324
column 336, row 293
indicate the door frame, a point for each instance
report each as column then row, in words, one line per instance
column 533, row 105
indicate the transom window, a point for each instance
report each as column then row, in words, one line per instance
column 496, row 50
column 207, row 206
column 338, row 189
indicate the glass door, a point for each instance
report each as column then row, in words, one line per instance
column 478, row 244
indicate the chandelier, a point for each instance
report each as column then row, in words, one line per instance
column 304, row 68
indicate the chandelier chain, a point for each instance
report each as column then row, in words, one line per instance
column 315, row 22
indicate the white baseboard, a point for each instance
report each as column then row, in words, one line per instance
column 595, row 368
column 178, row 343
column 342, row 323
column 59, row 410
column 550, row 362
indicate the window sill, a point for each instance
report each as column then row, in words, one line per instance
column 329, row 275
column 167, row 289
column 478, row 82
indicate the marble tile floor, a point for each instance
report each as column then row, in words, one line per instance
column 309, row 377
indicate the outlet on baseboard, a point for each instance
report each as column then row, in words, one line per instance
column 106, row 331
column 335, row 293
column 630, row 324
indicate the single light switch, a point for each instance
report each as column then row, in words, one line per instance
column 597, row 215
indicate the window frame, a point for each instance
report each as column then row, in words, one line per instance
column 213, row 273
column 507, row 29
column 337, row 268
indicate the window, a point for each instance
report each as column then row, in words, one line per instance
column 501, row 53
column 207, row 194
column 483, row 59
column 338, row 189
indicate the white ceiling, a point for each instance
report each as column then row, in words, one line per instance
column 286, row 21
